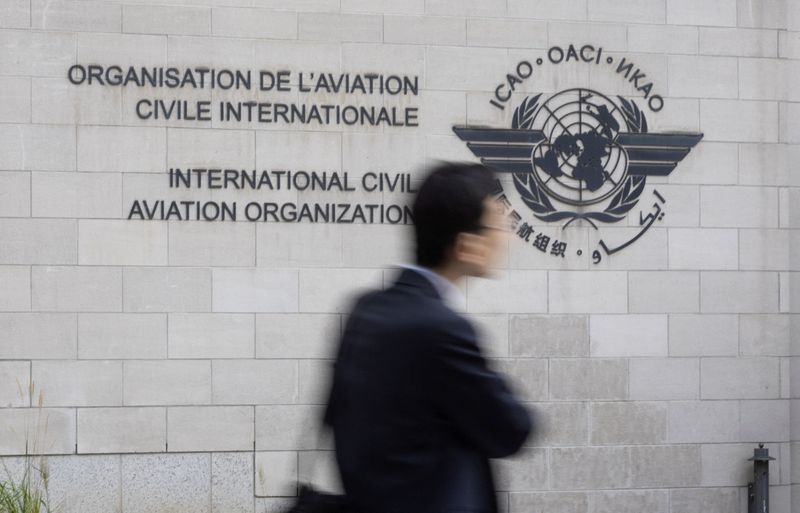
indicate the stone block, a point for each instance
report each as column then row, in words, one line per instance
column 77, row 383
column 768, row 164
column 581, row 468
column 789, row 126
column 765, row 421
column 765, row 335
column 203, row 335
column 668, row 466
column 76, row 289
column 628, row 423
column 15, row 106
column 381, row 152
column 559, row 424
column 288, row 427
column 15, row 379
column 57, row 101
column 15, row 14
column 763, row 13
column 254, row 290
column 297, row 335
column 508, row 292
column 711, row 500
column 276, row 474
column 506, row 33
column 41, row 54
column 153, row 483
column 122, row 430
column 753, row 85
column 738, row 42
column 38, row 335
column 71, row 477
column 15, row 198
column 15, row 281
column 37, row 147
column 549, row 335
column 664, row 378
column 122, row 336
column 703, row 77
column 425, row 30
column 528, row 377
column 109, row 49
column 587, row 292
column 314, row 378
column 664, row 292
column 739, row 121
column 713, row 12
column 740, row 378
column 255, row 381
column 210, row 428
column 628, row 335
column 389, row 245
column 166, row 19
column 137, row 149
column 612, row 37
column 211, row 148
column 525, row 471
column 174, row 382
column 82, row 195
column 693, row 248
column 764, row 250
column 122, row 242
column 341, row 27
column 554, row 502
column 232, row 484
column 721, row 292
column 662, row 38
column 333, row 290
column 629, row 11
column 174, row 289
column 257, row 23
column 703, row 335
column 37, row 431
column 298, row 245
column 588, row 379
column 464, row 69
column 703, row 421
column 78, row 17
column 630, row 501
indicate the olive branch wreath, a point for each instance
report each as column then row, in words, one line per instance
column 536, row 199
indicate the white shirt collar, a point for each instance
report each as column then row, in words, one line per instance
column 448, row 291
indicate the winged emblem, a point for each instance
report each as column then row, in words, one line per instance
column 578, row 148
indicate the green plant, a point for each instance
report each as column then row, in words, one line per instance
column 28, row 493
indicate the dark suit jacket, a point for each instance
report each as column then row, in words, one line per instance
column 415, row 411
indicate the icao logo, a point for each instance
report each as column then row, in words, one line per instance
column 579, row 155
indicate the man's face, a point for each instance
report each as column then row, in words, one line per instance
column 480, row 251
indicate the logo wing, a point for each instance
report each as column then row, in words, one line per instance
column 652, row 154
column 505, row 150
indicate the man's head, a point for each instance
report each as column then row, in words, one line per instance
column 458, row 225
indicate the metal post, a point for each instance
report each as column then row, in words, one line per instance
column 758, row 490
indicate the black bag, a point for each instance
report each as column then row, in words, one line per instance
column 313, row 501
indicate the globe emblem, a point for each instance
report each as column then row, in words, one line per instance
column 579, row 162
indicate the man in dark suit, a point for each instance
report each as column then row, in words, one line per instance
column 416, row 412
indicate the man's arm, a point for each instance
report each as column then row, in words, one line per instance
column 476, row 399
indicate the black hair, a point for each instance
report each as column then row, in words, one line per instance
column 449, row 201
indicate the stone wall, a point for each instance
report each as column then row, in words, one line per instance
column 169, row 366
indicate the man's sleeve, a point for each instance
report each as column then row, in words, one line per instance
column 475, row 399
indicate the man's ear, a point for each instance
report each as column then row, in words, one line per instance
column 470, row 249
